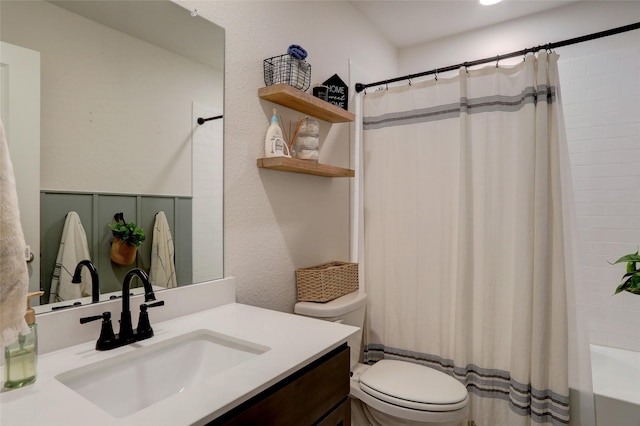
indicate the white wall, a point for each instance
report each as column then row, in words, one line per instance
column 275, row 222
column 600, row 91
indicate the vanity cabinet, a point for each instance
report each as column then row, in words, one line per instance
column 317, row 394
column 290, row 97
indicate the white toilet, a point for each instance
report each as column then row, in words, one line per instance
column 391, row 392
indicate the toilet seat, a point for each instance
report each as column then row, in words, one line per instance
column 402, row 384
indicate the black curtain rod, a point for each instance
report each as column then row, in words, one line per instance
column 204, row 120
column 549, row 46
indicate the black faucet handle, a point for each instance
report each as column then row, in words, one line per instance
column 144, row 330
column 107, row 339
column 104, row 315
column 144, row 306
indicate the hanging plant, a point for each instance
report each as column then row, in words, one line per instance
column 127, row 238
column 128, row 233
column 631, row 279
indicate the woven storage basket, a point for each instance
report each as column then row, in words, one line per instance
column 327, row 281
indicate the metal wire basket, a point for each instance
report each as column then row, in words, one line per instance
column 289, row 70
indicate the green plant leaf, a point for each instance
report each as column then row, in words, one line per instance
column 632, row 284
column 129, row 233
column 633, row 257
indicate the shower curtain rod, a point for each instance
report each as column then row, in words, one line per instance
column 549, row 46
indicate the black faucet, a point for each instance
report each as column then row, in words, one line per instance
column 95, row 284
column 126, row 329
column 109, row 340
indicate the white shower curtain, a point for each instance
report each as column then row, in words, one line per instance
column 464, row 247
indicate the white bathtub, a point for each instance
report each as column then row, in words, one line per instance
column 616, row 386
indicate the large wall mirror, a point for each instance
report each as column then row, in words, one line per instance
column 118, row 88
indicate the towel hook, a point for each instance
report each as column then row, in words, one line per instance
column 204, row 120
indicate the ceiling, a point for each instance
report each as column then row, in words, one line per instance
column 406, row 23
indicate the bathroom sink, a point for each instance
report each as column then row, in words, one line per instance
column 127, row 383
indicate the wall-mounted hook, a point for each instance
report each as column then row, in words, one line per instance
column 204, row 120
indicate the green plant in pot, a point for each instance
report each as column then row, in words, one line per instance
column 631, row 279
column 127, row 238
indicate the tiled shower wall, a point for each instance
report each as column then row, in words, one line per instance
column 600, row 86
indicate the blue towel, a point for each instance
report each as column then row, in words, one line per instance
column 297, row 51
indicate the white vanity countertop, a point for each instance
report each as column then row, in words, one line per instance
column 294, row 341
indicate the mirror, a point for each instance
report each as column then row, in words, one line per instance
column 122, row 84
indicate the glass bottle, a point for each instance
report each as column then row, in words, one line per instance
column 20, row 357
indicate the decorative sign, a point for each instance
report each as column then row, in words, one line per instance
column 338, row 92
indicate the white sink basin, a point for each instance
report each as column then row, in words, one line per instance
column 127, row 383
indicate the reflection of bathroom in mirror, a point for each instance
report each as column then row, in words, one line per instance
column 118, row 106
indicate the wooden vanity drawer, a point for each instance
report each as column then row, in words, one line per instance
column 317, row 394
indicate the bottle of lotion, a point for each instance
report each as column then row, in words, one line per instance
column 274, row 143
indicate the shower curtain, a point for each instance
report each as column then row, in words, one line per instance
column 464, row 245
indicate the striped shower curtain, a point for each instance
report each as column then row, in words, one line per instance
column 464, row 246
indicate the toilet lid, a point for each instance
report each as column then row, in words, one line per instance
column 413, row 386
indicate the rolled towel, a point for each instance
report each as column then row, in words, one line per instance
column 14, row 275
column 297, row 52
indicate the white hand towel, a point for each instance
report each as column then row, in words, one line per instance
column 14, row 275
column 73, row 248
column 163, row 267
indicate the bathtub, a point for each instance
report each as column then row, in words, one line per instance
column 616, row 386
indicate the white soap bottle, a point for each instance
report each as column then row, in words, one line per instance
column 274, row 143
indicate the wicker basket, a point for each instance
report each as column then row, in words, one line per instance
column 327, row 281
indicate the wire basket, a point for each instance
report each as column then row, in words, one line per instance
column 289, row 70
column 326, row 282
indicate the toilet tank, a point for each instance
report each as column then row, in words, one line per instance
column 348, row 309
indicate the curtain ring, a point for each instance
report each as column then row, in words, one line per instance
column 497, row 60
column 436, row 74
column 409, row 82
column 387, row 85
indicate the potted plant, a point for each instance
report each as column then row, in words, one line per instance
column 631, row 279
column 127, row 239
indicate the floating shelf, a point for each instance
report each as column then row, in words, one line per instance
column 285, row 95
column 306, row 167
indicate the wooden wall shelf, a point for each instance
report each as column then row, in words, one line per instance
column 306, row 167
column 290, row 97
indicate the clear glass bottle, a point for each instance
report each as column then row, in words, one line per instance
column 21, row 357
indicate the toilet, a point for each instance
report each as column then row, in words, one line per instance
column 391, row 392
